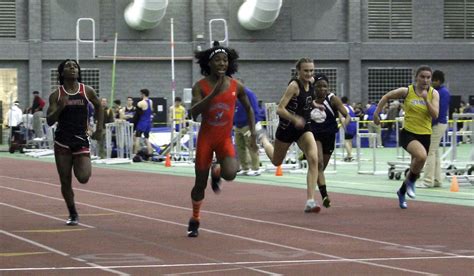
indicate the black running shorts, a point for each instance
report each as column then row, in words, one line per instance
column 406, row 137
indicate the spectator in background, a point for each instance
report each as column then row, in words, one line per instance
column 129, row 110
column 432, row 172
column 144, row 121
column 177, row 114
column 351, row 130
column 392, row 114
column 118, row 110
column 372, row 127
column 248, row 158
column 261, row 117
column 108, row 118
column 14, row 120
column 466, row 126
column 37, row 110
column 359, row 111
column 14, row 116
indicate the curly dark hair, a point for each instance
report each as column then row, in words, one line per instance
column 203, row 58
column 61, row 69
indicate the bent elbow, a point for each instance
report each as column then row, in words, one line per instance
column 194, row 115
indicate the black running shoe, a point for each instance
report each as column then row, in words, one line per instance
column 216, row 178
column 326, row 202
column 73, row 220
column 193, row 228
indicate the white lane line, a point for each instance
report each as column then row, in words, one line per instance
column 41, row 214
column 82, row 224
column 250, row 219
column 259, row 263
column 96, row 266
column 227, row 234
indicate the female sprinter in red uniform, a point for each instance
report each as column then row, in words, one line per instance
column 214, row 98
column 68, row 106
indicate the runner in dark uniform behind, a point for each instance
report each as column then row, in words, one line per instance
column 68, row 106
column 325, row 127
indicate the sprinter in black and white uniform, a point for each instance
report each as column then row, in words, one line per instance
column 294, row 109
column 324, row 128
column 68, row 106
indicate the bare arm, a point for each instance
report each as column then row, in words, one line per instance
column 55, row 107
column 433, row 106
column 198, row 103
column 98, row 112
column 398, row 93
column 122, row 113
column 291, row 91
column 335, row 101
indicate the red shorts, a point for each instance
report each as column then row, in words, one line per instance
column 207, row 144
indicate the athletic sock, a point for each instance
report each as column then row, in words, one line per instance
column 72, row 210
column 196, row 209
column 322, row 190
column 412, row 177
column 403, row 188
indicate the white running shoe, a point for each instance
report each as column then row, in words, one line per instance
column 242, row 172
column 253, row 173
column 312, row 206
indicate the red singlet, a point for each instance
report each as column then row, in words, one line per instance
column 216, row 127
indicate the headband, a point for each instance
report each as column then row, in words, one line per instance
column 319, row 77
column 216, row 51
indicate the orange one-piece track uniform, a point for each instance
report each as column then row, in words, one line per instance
column 216, row 127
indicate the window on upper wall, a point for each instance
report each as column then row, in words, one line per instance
column 382, row 80
column 331, row 73
column 459, row 19
column 7, row 19
column 390, row 19
column 89, row 76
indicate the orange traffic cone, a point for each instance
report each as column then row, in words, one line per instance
column 279, row 171
column 168, row 160
column 454, row 184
